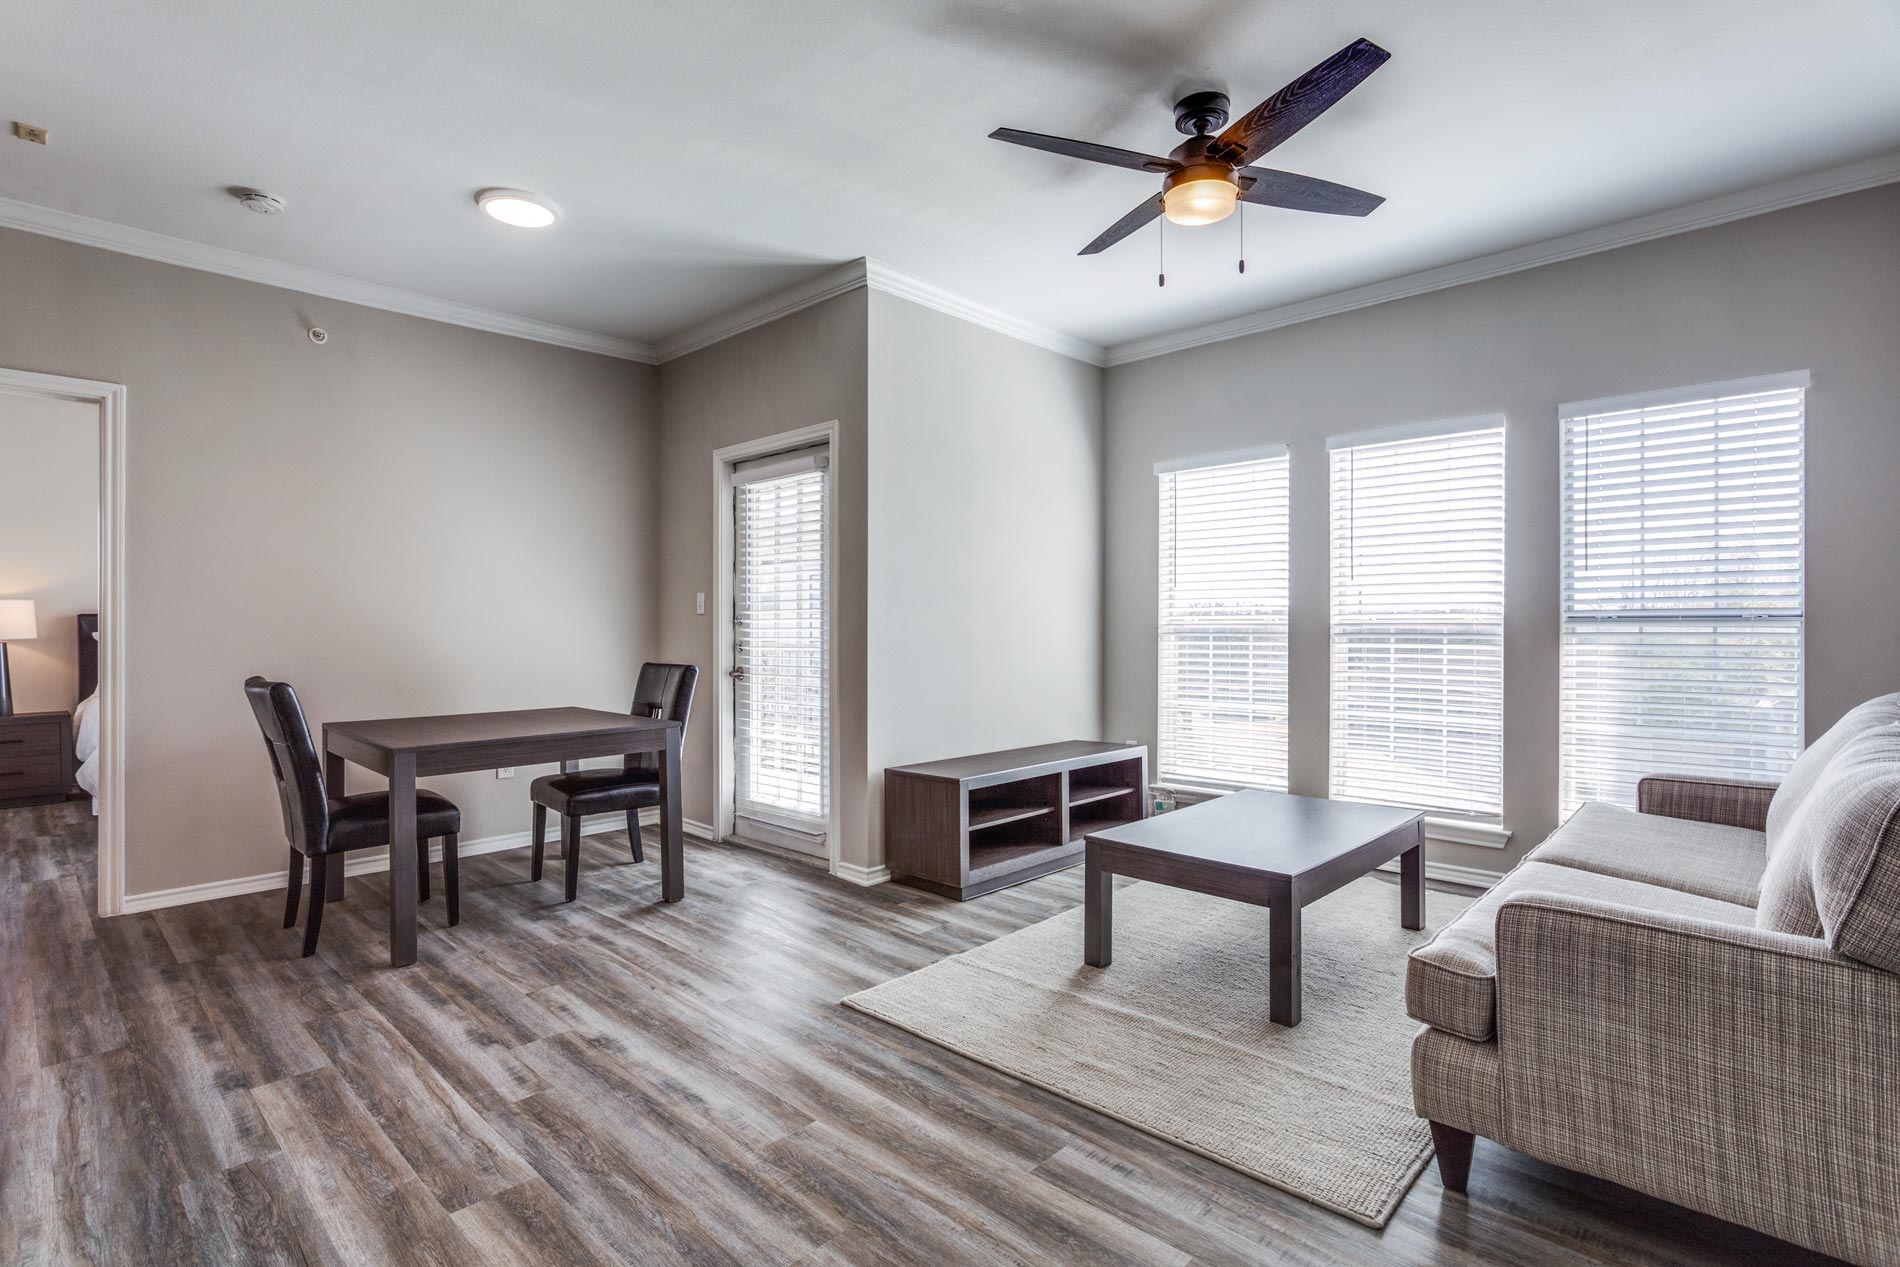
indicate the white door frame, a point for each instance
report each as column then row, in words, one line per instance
column 724, row 763
column 109, row 399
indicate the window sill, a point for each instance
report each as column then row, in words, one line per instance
column 1445, row 831
column 1456, row 831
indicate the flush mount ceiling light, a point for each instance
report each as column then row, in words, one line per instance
column 516, row 207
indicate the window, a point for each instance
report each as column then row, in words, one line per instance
column 1223, row 622
column 1418, row 617
column 780, row 649
column 1682, row 590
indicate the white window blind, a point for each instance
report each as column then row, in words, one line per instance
column 781, row 697
column 1223, row 623
column 1682, row 586
column 1418, row 618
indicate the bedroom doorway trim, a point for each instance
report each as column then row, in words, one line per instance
column 109, row 400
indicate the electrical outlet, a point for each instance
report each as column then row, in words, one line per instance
column 506, row 772
column 699, row 604
column 27, row 132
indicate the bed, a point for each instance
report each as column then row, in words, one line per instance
column 86, row 716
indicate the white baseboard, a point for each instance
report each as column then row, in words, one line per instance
column 369, row 863
column 865, row 877
column 210, row 891
column 1471, row 877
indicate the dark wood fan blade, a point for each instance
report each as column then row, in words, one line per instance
column 1300, row 102
column 1115, row 232
column 1270, row 188
column 1085, row 150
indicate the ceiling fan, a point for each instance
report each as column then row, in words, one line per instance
column 1206, row 176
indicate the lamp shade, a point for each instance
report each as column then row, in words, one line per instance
column 17, row 623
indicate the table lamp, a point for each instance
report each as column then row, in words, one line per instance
column 17, row 624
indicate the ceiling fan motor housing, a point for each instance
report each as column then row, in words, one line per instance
column 1196, row 163
column 1210, row 169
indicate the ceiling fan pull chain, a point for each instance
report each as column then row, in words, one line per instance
column 1161, row 252
column 1242, row 222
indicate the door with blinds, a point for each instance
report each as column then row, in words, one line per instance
column 781, row 650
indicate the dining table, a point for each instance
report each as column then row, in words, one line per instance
column 405, row 749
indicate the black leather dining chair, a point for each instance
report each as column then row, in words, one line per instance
column 319, row 824
column 662, row 690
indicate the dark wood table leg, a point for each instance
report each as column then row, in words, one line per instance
column 402, row 860
column 672, row 844
column 1098, row 909
column 1283, row 914
column 1412, row 884
column 334, row 781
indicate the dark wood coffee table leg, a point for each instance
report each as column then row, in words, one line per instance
column 1098, row 909
column 1412, row 884
column 1283, row 935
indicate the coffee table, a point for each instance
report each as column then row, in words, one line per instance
column 1265, row 848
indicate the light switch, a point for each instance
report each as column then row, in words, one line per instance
column 699, row 604
column 506, row 772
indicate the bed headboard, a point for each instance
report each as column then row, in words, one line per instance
column 88, row 655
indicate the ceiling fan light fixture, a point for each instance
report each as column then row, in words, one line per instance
column 1204, row 201
column 516, row 207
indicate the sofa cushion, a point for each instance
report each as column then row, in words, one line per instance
column 1702, row 858
column 1837, row 873
column 1806, row 772
column 1788, row 902
column 1451, row 982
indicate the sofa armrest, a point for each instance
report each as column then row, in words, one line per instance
column 1729, row 802
column 1738, row 1071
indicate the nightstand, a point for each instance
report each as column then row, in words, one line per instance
column 36, row 758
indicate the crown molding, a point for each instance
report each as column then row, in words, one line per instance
column 1814, row 187
column 125, row 240
column 829, row 284
column 894, row 281
column 878, row 276
column 844, row 278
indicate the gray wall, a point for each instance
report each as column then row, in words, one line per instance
column 1814, row 287
column 985, row 542
column 414, row 518
column 49, row 539
column 421, row 518
column 800, row 371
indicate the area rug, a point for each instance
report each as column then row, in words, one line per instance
column 1173, row 1036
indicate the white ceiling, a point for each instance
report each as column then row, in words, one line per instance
column 706, row 153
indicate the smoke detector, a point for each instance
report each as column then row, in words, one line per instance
column 257, row 200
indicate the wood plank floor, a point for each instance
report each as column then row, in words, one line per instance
column 621, row 1082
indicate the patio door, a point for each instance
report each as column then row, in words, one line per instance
column 781, row 650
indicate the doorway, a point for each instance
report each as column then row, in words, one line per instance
column 774, row 612
column 62, row 580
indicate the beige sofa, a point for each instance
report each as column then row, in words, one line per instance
column 1700, row 1000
